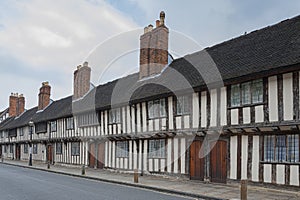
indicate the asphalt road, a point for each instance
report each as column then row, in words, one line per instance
column 18, row 183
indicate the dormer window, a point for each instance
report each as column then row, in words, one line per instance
column 53, row 126
column 183, row 105
column 70, row 123
column 157, row 108
column 115, row 116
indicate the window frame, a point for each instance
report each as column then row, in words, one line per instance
column 122, row 149
column 114, row 116
column 52, row 125
column 157, row 148
column 34, row 148
column 244, row 94
column 70, row 123
column 186, row 107
column 58, row 151
column 156, row 109
column 75, row 149
column 277, row 149
column 25, row 150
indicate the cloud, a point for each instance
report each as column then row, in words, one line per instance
column 42, row 38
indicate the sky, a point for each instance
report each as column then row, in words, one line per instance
column 45, row 40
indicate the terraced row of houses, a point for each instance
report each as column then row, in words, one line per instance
column 179, row 118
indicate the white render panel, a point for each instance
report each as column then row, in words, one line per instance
column 123, row 119
column 125, row 163
column 288, row 96
column 213, row 107
column 106, row 154
column 169, row 152
column 195, row 109
column 162, row 165
column 273, row 100
column 203, row 109
column 255, row 159
column 150, row 165
column 170, row 108
column 128, row 119
column 246, row 115
column 182, row 152
column 175, row 155
column 244, row 157
column 178, row 123
column 105, row 121
column 117, row 164
column 156, row 168
column 280, row 174
column 113, row 154
column 132, row 119
column 164, row 124
column 294, row 175
column 145, row 155
column 138, row 118
column 140, row 154
column 223, row 109
column 144, row 113
column 150, row 126
column 233, row 157
column 156, row 124
column 186, row 120
column 259, row 114
column 134, row 155
column 130, row 154
column 267, row 173
column 234, row 116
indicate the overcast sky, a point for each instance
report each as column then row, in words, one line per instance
column 44, row 40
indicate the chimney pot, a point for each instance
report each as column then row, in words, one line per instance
column 150, row 27
column 162, row 17
column 85, row 64
column 157, row 23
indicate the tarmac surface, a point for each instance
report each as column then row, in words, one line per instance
column 166, row 184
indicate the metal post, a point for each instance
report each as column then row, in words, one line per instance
column 136, row 176
column 48, row 165
column 30, row 144
column 83, row 170
column 244, row 189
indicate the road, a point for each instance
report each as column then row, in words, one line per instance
column 18, row 183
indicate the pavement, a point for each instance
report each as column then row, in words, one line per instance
column 167, row 184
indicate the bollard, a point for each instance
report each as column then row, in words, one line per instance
column 2, row 159
column 136, row 176
column 83, row 170
column 48, row 165
column 244, row 189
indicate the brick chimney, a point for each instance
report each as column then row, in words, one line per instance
column 44, row 96
column 82, row 79
column 16, row 104
column 154, row 48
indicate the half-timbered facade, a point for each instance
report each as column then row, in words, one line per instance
column 242, row 126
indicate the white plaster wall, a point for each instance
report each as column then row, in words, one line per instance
column 203, row 109
column 233, row 157
column 223, row 106
column 273, row 102
column 213, row 107
column 255, row 159
column 267, row 173
column 280, row 174
column 246, row 115
column 288, row 96
column 294, row 175
column 259, row 114
column 244, row 157
column 234, row 116
column 195, row 109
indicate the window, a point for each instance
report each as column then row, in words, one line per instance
column 115, row 116
column 157, row 148
column 41, row 127
column 247, row 93
column 53, row 126
column 11, row 148
column 235, row 95
column 183, row 105
column 12, row 132
column 34, row 148
column 21, row 131
column 75, row 151
column 157, row 108
column 5, row 148
column 281, row 148
column 88, row 119
column 293, row 148
column 25, row 148
column 59, row 148
column 70, row 123
column 122, row 149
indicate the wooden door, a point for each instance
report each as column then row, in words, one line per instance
column 92, row 155
column 218, row 165
column 101, row 155
column 196, row 162
column 50, row 154
column 18, row 152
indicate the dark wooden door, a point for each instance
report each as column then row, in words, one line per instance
column 218, row 166
column 18, row 152
column 50, row 154
column 196, row 161
column 101, row 155
column 92, row 155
